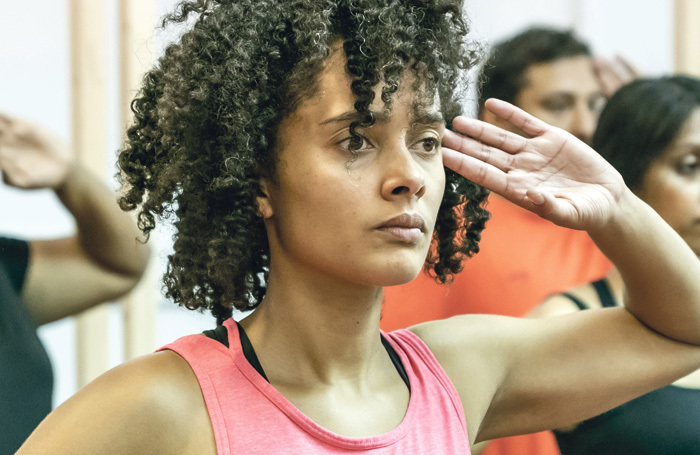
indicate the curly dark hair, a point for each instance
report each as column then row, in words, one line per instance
column 207, row 115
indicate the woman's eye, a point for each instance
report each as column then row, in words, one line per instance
column 354, row 143
column 689, row 165
column 557, row 103
column 429, row 144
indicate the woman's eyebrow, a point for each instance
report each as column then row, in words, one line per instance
column 351, row 116
column 685, row 148
column 426, row 118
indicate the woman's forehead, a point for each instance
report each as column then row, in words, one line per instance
column 689, row 133
column 335, row 97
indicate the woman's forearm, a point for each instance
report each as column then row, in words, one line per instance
column 107, row 235
column 661, row 273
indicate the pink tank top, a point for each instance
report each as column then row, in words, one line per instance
column 249, row 416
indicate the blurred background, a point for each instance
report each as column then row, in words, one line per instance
column 114, row 40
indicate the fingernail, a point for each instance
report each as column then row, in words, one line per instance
column 536, row 198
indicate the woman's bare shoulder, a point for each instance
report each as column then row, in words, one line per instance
column 473, row 350
column 463, row 330
column 152, row 404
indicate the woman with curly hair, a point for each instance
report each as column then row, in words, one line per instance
column 299, row 149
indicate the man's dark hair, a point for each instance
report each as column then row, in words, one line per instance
column 503, row 74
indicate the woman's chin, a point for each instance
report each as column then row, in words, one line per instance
column 399, row 276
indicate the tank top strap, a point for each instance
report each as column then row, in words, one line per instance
column 604, row 293
column 578, row 302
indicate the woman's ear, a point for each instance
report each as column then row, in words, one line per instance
column 263, row 199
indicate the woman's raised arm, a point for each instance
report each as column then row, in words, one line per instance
column 518, row 376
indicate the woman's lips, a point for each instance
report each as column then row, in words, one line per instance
column 408, row 235
column 405, row 227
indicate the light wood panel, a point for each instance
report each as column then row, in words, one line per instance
column 136, row 25
column 89, row 136
column 687, row 37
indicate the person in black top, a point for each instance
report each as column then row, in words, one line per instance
column 650, row 132
column 45, row 280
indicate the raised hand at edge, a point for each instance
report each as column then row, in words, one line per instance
column 31, row 157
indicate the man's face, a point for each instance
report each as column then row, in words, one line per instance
column 565, row 94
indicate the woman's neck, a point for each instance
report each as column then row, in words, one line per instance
column 311, row 329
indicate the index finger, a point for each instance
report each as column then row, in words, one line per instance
column 485, row 133
column 529, row 124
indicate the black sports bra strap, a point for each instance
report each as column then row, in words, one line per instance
column 604, row 293
column 249, row 352
column 578, row 302
column 397, row 362
column 220, row 334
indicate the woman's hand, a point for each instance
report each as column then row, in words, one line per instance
column 551, row 173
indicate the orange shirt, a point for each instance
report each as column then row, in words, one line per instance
column 523, row 259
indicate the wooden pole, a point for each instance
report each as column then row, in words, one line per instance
column 137, row 23
column 687, row 37
column 89, row 112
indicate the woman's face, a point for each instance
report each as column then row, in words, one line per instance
column 671, row 185
column 365, row 219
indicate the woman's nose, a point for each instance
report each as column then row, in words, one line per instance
column 404, row 177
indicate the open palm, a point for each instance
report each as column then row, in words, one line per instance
column 551, row 173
